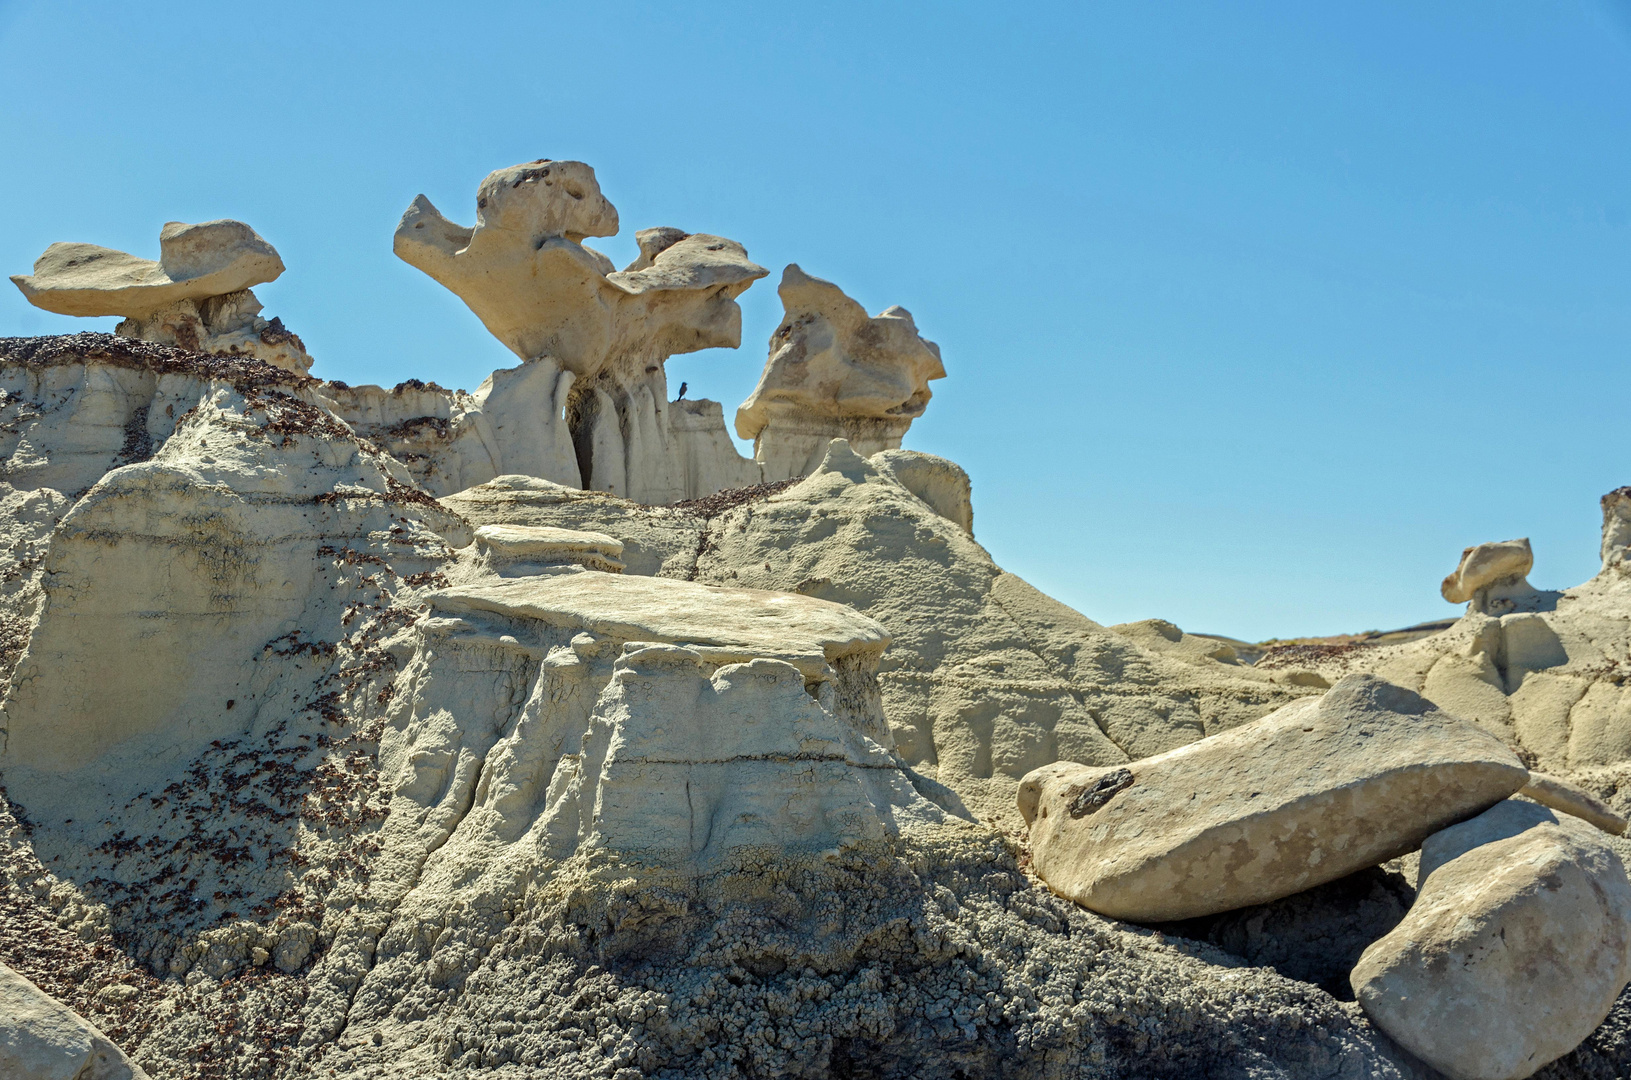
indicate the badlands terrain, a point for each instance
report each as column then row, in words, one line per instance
column 533, row 731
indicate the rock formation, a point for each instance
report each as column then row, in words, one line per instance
column 1515, row 949
column 196, row 296
column 1311, row 793
column 533, row 731
column 1492, row 575
column 1545, row 670
column 835, row 373
column 589, row 406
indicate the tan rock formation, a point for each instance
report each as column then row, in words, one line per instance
column 833, row 372
column 589, row 407
column 1313, row 792
column 1546, row 670
column 1517, row 945
column 43, row 1039
column 1496, row 568
column 1572, row 799
column 196, row 296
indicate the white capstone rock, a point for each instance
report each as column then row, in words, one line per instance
column 1310, row 793
column 1517, row 945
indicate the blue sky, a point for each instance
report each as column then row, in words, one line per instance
column 1254, row 314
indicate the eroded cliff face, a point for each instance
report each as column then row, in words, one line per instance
column 300, row 781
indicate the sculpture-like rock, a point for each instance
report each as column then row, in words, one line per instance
column 590, row 408
column 1574, row 800
column 1515, row 949
column 1308, row 794
column 1490, row 566
column 835, row 372
column 197, row 295
column 43, row 1039
column 1616, row 526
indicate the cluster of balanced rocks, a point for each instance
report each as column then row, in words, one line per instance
column 1518, row 941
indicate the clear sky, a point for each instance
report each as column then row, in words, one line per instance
column 1254, row 314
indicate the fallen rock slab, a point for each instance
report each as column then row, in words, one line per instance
column 43, row 1039
column 1310, row 793
column 1516, row 948
column 1572, row 799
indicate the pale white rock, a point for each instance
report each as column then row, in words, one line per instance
column 986, row 679
column 835, row 372
column 683, row 761
column 940, row 483
column 43, row 1039
column 196, row 295
column 1515, row 949
column 1311, row 793
column 1574, row 800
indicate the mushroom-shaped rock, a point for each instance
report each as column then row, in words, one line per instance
column 43, row 1039
column 1517, row 945
column 602, row 334
column 196, row 295
column 1312, row 792
column 1489, row 566
column 835, row 372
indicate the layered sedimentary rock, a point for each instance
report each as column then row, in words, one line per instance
column 834, row 372
column 197, row 295
column 986, row 678
column 1311, row 793
column 1515, row 949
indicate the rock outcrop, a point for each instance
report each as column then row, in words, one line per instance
column 589, row 406
column 986, row 678
column 1516, row 947
column 1545, row 670
column 1313, row 792
column 196, row 295
column 834, row 372
column 43, row 1039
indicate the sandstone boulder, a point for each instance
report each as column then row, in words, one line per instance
column 835, row 372
column 1308, row 794
column 1488, row 565
column 1515, row 949
column 43, row 1039
column 1575, row 800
